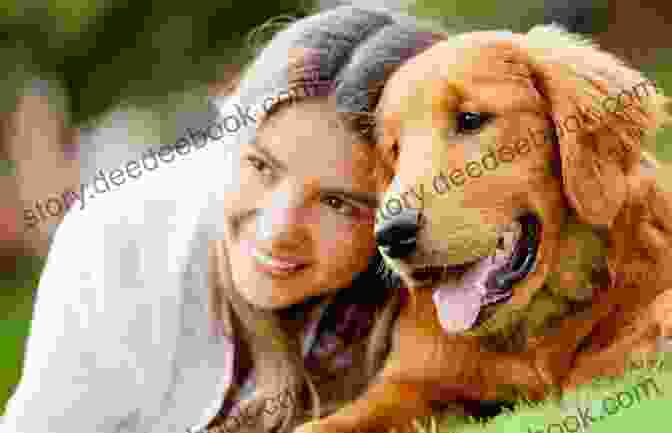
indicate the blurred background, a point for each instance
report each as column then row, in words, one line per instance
column 91, row 84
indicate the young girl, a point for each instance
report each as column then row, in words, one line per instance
column 264, row 236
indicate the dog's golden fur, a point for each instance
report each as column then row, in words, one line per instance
column 600, row 289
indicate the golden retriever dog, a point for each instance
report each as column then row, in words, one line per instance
column 531, row 229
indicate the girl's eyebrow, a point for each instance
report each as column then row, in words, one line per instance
column 267, row 153
column 365, row 198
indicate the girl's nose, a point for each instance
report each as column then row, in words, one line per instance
column 285, row 217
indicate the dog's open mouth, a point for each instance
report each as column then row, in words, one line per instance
column 461, row 291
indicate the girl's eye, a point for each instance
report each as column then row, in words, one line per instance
column 340, row 205
column 261, row 166
column 469, row 121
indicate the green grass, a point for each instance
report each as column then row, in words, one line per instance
column 633, row 415
column 13, row 333
column 16, row 309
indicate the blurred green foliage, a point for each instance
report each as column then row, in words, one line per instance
column 107, row 51
column 661, row 73
column 495, row 14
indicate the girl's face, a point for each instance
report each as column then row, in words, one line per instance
column 300, row 223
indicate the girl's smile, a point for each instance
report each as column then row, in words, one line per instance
column 277, row 266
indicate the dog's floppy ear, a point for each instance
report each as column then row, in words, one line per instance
column 603, row 111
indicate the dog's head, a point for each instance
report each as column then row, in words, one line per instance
column 488, row 141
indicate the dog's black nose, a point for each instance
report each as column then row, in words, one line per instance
column 397, row 236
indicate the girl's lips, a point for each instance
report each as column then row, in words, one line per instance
column 276, row 264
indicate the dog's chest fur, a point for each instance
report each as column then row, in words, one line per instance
column 579, row 269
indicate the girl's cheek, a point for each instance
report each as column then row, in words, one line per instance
column 364, row 215
column 308, row 215
column 360, row 220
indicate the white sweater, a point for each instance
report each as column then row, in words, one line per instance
column 120, row 339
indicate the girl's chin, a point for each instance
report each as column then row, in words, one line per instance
column 272, row 302
column 266, row 294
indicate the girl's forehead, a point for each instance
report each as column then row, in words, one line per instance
column 347, row 168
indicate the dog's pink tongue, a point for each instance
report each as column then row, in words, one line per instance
column 458, row 303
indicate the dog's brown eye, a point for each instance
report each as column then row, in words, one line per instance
column 469, row 121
